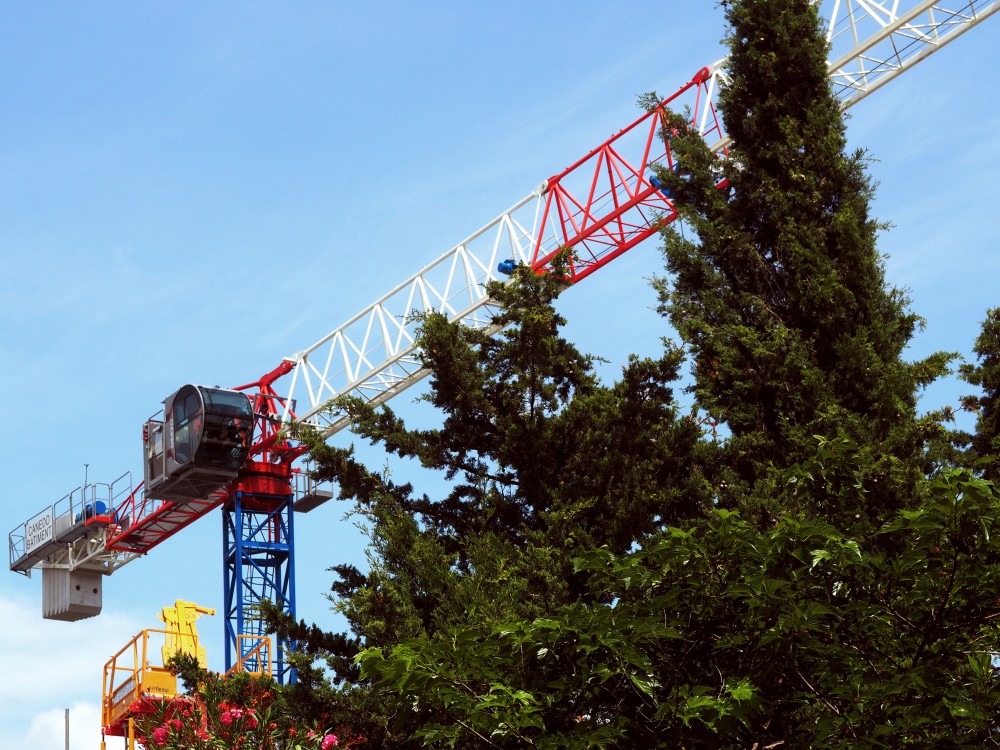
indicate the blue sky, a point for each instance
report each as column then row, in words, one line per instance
column 191, row 191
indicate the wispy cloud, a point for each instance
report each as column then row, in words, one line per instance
column 47, row 730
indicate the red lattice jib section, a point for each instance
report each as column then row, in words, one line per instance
column 609, row 201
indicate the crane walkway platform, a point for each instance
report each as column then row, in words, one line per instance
column 87, row 512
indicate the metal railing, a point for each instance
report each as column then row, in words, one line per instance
column 87, row 511
column 130, row 680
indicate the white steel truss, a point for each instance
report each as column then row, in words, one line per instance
column 873, row 42
column 373, row 355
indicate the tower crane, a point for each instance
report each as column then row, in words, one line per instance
column 212, row 448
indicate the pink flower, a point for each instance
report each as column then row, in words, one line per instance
column 160, row 736
column 329, row 741
column 226, row 718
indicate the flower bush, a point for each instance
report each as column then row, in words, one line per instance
column 240, row 712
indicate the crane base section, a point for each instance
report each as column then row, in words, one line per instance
column 71, row 595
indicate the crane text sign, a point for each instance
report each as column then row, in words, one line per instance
column 38, row 531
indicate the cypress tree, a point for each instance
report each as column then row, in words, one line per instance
column 776, row 285
column 984, row 443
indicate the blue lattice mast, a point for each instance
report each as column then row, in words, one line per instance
column 259, row 565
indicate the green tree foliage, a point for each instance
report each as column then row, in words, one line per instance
column 726, row 636
column 543, row 461
column 775, row 283
column 534, row 440
column 986, row 376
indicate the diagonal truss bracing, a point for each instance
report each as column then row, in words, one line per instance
column 873, row 42
column 373, row 354
column 601, row 206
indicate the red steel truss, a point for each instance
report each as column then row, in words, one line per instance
column 604, row 204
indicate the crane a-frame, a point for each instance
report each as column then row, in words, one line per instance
column 225, row 448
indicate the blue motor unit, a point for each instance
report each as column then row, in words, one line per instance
column 507, row 267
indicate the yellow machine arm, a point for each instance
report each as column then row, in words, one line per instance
column 182, row 634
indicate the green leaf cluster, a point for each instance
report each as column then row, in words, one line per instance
column 726, row 636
